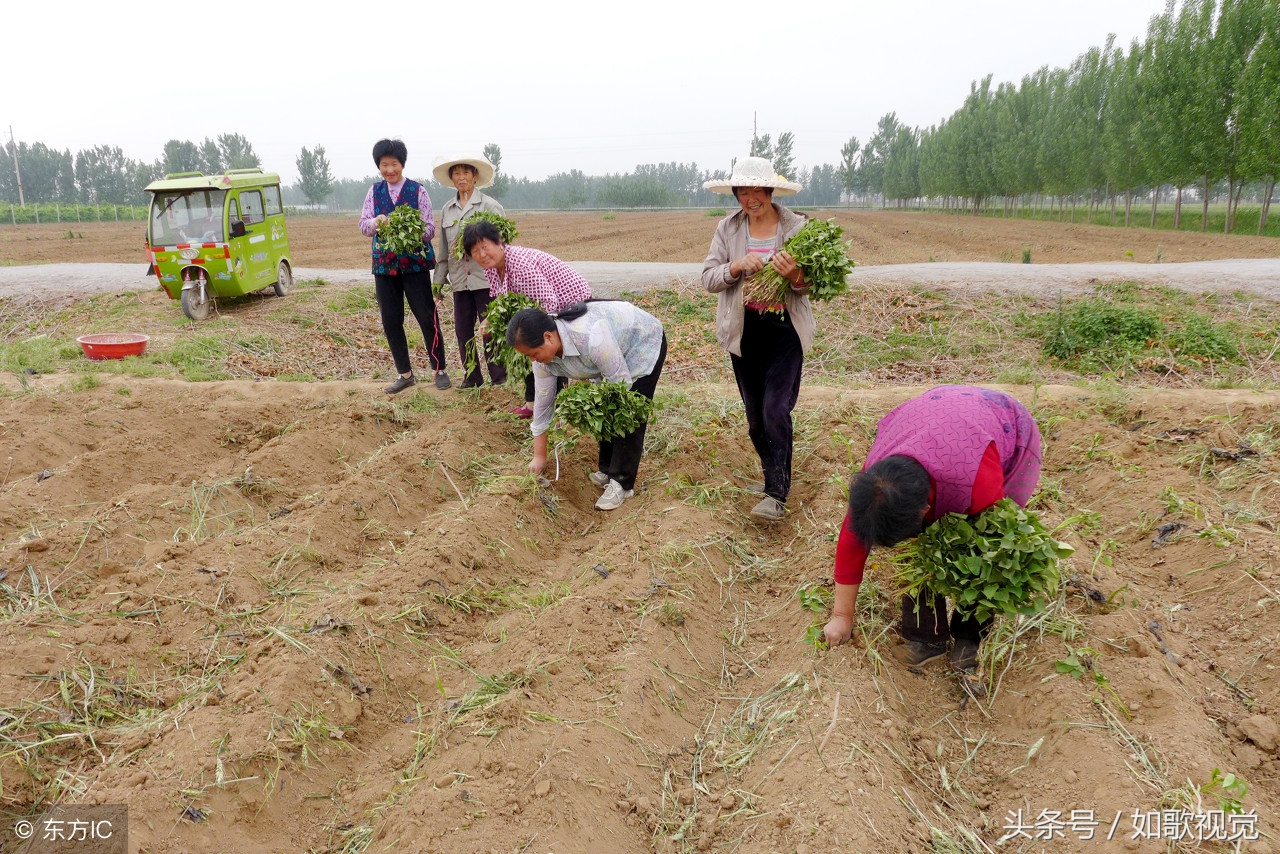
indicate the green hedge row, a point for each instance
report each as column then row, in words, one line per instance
column 45, row 213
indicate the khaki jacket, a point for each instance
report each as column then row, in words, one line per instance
column 461, row 274
column 728, row 245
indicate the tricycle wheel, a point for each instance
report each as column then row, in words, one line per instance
column 194, row 305
column 284, row 279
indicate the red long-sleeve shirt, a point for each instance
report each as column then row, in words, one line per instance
column 988, row 488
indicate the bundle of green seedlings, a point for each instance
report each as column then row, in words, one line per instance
column 820, row 252
column 999, row 563
column 506, row 228
column 402, row 232
column 500, row 312
column 604, row 410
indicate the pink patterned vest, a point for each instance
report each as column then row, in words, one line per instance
column 947, row 430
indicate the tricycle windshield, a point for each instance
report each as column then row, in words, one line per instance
column 188, row 216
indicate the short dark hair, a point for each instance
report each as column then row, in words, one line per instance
column 390, row 148
column 887, row 501
column 468, row 166
column 477, row 231
column 768, row 190
column 528, row 325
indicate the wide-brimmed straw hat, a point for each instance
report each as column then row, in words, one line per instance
column 443, row 165
column 754, row 172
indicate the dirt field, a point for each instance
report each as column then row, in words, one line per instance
column 301, row 616
column 293, row 616
column 879, row 237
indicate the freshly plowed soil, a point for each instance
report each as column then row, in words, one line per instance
column 300, row 617
column 879, row 237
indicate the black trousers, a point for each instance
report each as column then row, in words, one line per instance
column 768, row 375
column 620, row 457
column 392, row 292
column 929, row 624
column 468, row 308
column 561, row 384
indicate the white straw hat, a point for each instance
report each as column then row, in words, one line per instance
column 754, row 172
column 443, row 165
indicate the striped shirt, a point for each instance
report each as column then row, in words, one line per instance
column 764, row 247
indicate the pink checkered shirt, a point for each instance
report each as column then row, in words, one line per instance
column 542, row 277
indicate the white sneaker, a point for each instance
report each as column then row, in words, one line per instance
column 613, row 496
column 599, row 478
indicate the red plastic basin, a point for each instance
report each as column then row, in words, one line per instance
column 113, row 345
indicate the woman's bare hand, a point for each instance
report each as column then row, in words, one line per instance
column 838, row 630
column 785, row 264
column 747, row 264
column 537, row 464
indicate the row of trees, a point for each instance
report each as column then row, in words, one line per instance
column 103, row 175
column 1193, row 105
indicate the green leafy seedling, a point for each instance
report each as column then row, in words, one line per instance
column 821, row 252
column 603, row 410
column 1076, row 663
column 506, row 228
column 815, row 637
column 816, row 598
column 1228, row 789
column 1001, row 562
column 498, row 315
column 402, row 232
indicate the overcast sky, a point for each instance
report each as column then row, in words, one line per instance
column 596, row 86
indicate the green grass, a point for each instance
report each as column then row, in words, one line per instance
column 1097, row 332
column 1247, row 217
column 1123, row 333
column 353, row 301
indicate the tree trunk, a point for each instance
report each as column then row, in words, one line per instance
column 1128, row 205
column 1270, row 187
column 1113, row 208
column 1233, row 206
column 1177, row 210
column 1155, row 198
column 1204, row 210
column 1073, row 208
column 1231, row 192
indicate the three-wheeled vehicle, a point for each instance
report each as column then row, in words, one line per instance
column 215, row 236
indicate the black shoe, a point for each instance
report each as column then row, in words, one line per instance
column 442, row 380
column 401, row 384
column 915, row 653
column 964, row 656
column 469, row 384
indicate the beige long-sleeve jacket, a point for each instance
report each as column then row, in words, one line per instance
column 461, row 274
column 729, row 244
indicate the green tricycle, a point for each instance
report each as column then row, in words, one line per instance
column 213, row 236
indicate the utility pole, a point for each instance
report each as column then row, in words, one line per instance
column 16, row 173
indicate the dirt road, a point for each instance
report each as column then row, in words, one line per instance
column 1256, row 275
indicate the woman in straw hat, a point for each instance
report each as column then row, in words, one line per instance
column 766, row 341
column 468, row 175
